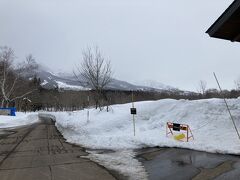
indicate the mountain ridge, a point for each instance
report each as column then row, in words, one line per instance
column 66, row 81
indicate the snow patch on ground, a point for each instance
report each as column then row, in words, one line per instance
column 122, row 161
column 21, row 119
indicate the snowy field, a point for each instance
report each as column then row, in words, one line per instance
column 208, row 119
column 21, row 119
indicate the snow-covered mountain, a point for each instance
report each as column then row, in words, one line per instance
column 50, row 80
column 67, row 81
column 155, row 85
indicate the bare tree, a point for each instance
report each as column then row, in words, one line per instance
column 202, row 87
column 11, row 78
column 29, row 65
column 96, row 72
column 237, row 84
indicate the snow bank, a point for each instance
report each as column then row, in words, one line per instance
column 211, row 125
column 21, row 119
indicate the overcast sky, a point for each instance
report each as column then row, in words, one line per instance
column 160, row 40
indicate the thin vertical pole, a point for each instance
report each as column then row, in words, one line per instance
column 227, row 106
column 166, row 129
column 88, row 114
column 134, row 131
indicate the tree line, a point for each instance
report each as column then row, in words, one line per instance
column 58, row 100
column 21, row 88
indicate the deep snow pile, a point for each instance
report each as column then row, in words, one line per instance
column 20, row 119
column 211, row 125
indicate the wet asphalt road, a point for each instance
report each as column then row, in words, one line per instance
column 183, row 164
column 39, row 152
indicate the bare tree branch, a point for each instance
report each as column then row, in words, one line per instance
column 12, row 77
column 202, row 87
column 19, row 97
column 95, row 70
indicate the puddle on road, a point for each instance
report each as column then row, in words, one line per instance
column 171, row 163
column 162, row 163
column 5, row 132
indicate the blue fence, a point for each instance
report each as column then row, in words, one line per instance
column 8, row 111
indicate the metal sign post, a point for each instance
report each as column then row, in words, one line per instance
column 133, row 112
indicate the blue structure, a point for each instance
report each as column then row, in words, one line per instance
column 8, row 111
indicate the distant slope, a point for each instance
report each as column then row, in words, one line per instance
column 50, row 81
column 64, row 81
column 155, row 85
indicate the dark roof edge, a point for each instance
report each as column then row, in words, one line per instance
column 224, row 17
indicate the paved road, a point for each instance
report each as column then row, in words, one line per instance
column 183, row 164
column 39, row 152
